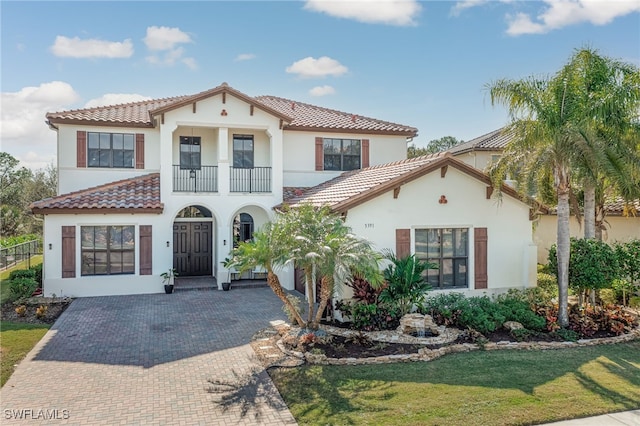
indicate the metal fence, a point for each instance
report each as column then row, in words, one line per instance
column 10, row 256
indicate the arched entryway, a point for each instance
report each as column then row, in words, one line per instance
column 193, row 242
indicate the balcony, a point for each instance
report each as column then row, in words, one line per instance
column 255, row 179
column 204, row 179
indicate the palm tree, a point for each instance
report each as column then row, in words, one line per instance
column 544, row 148
column 347, row 255
column 603, row 102
column 267, row 249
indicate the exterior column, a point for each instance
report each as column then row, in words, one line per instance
column 224, row 174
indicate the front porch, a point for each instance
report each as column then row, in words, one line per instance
column 210, row 283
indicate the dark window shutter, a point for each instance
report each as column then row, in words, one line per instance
column 68, row 252
column 403, row 243
column 480, row 254
column 319, row 154
column 139, row 151
column 365, row 153
column 145, row 250
column 81, row 148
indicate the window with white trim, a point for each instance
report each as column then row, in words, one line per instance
column 449, row 249
column 190, row 153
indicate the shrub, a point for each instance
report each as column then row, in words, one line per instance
column 22, row 273
column 21, row 310
column 41, row 311
column 520, row 311
column 628, row 255
column 634, row 302
column 370, row 316
column 406, row 286
column 38, row 273
column 592, row 264
column 548, row 284
column 608, row 296
column 443, row 308
column 363, row 291
column 22, row 288
column 566, row 334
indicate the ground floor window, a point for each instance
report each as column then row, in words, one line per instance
column 107, row 250
column 449, row 249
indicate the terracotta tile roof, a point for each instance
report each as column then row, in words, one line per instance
column 311, row 117
column 135, row 195
column 621, row 207
column 132, row 114
column 289, row 192
column 492, row 141
column 352, row 185
column 297, row 115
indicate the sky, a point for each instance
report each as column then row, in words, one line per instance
column 424, row 64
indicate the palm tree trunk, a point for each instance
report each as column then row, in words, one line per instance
column 563, row 255
column 308, row 276
column 274, row 283
column 326, row 289
column 589, row 210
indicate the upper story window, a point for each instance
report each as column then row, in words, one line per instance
column 243, row 151
column 341, row 154
column 110, row 149
column 447, row 248
column 190, row 154
column 108, row 250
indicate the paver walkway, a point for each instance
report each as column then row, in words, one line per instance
column 150, row 359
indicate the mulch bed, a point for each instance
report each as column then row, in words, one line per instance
column 55, row 307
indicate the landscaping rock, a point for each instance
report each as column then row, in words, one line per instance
column 512, row 325
column 412, row 324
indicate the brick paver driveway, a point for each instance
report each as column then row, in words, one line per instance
column 149, row 359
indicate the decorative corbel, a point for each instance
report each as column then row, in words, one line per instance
column 443, row 170
column 489, row 192
column 396, row 192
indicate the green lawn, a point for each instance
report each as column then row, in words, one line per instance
column 16, row 340
column 504, row 387
column 4, row 275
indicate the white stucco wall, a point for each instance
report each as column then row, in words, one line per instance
column 71, row 178
column 511, row 259
column 618, row 229
column 478, row 159
column 299, row 162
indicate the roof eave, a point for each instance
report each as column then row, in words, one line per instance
column 98, row 210
column 406, row 133
column 81, row 122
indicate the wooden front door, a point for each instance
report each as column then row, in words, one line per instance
column 192, row 254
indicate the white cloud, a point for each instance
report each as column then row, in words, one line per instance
column 22, row 121
column 562, row 13
column 190, row 62
column 322, row 91
column 390, row 12
column 66, row 47
column 460, row 6
column 165, row 38
column 310, row 67
column 245, row 57
column 114, row 99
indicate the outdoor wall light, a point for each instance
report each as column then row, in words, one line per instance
column 167, row 243
column 50, row 246
column 224, row 242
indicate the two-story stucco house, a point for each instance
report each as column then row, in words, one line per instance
column 174, row 182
